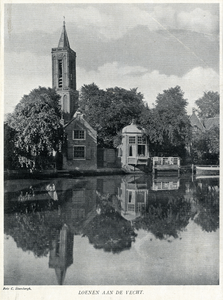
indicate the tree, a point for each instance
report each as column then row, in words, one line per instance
column 109, row 111
column 208, row 105
column 36, row 121
column 167, row 125
column 10, row 153
column 205, row 146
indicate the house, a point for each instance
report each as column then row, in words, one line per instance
column 81, row 145
column 134, row 149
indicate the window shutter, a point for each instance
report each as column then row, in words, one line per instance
column 70, row 153
column 88, row 153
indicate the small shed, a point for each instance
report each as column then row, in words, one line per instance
column 134, row 150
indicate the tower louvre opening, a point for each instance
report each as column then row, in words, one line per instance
column 60, row 75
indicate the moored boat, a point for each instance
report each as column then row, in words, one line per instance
column 207, row 170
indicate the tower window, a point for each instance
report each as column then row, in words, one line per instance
column 71, row 75
column 60, row 75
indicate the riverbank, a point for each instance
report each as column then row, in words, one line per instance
column 20, row 174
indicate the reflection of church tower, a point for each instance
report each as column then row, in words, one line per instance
column 61, row 255
column 64, row 75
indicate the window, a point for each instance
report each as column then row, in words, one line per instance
column 130, row 196
column 130, row 150
column 79, row 152
column 78, row 196
column 141, row 140
column 79, row 134
column 65, row 104
column 60, row 77
column 141, row 150
column 132, row 140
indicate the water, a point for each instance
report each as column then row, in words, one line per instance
column 116, row 230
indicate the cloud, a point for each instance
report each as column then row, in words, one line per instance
column 198, row 20
column 112, row 21
column 194, row 83
column 23, row 73
column 26, row 71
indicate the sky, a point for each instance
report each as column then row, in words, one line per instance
column 151, row 47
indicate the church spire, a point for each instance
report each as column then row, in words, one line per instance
column 64, row 42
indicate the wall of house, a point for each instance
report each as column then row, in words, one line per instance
column 108, row 158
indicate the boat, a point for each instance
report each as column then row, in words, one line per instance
column 207, row 170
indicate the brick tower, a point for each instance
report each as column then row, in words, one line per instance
column 64, row 75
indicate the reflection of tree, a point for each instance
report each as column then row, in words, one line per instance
column 33, row 231
column 165, row 218
column 109, row 230
column 207, row 195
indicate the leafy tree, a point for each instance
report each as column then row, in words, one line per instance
column 208, row 105
column 10, row 153
column 167, row 125
column 109, row 230
column 207, row 196
column 205, row 146
column 109, row 111
column 166, row 218
column 36, row 121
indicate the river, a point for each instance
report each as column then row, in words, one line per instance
column 114, row 230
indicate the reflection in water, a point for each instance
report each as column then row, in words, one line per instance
column 133, row 195
column 44, row 217
column 61, row 253
column 165, row 183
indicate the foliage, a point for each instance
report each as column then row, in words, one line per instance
column 208, row 105
column 167, row 125
column 205, row 146
column 36, row 120
column 109, row 230
column 33, row 231
column 165, row 219
column 207, row 196
column 10, row 154
column 109, row 111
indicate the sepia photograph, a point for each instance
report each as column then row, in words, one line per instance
column 111, row 147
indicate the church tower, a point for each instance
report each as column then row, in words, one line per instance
column 64, row 75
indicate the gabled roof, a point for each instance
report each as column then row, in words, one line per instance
column 64, row 42
column 78, row 117
column 210, row 122
column 196, row 122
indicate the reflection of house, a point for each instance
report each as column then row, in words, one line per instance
column 81, row 145
column 165, row 183
column 133, row 194
column 61, row 254
column 134, row 149
column 79, row 197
